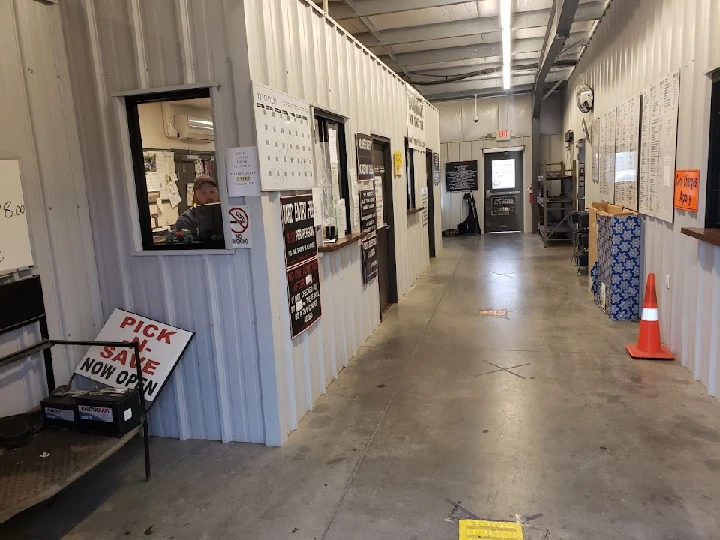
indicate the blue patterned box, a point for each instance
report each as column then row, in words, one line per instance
column 616, row 275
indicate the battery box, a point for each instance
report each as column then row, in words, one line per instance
column 60, row 410
column 109, row 411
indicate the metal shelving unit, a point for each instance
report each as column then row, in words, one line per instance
column 557, row 198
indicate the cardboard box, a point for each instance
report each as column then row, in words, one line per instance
column 616, row 272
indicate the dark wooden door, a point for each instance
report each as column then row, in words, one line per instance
column 387, row 277
column 431, row 201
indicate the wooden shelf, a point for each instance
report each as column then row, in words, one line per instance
column 711, row 236
column 341, row 243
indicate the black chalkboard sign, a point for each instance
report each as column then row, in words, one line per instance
column 461, row 175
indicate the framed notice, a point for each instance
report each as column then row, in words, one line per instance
column 365, row 170
column 301, row 263
column 283, row 125
column 161, row 346
column 461, row 175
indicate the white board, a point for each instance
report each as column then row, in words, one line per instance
column 660, row 105
column 283, row 126
column 627, row 140
column 15, row 251
column 607, row 157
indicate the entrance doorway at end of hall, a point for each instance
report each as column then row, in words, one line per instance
column 387, row 274
column 503, row 190
column 430, row 201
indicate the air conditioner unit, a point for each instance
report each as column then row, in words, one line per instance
column 192, row 127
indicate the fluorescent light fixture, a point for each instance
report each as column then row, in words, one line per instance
column 506, row 26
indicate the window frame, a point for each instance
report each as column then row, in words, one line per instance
column 137, row 183
column 321, row 118
column 712, row 187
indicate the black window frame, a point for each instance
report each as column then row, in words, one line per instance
column 138, row 163
column 410, row 175
column 322, row 118
column 712, row 188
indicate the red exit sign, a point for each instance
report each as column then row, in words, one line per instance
column 503, row 135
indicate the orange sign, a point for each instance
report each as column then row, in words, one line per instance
column 687, row 189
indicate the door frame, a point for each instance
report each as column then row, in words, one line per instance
column 431, row 201
column 388, row 203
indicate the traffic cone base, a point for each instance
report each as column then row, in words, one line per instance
column 663, row 354
column 649, row 345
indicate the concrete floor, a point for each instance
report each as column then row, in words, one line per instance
column 539, row 413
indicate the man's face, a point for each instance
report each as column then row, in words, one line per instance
column 206, row 194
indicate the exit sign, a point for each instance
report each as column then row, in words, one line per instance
column 503, row 135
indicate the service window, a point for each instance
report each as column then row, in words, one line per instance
column 410, row 175
column 172, row 140
column 332, row 173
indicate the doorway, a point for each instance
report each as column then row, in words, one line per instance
column 503, row 191
column 387, row 275
column 430, row 201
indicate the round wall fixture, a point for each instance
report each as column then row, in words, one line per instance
column 585, row 98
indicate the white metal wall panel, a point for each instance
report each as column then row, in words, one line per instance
column 457, row 118
column 40, row 130
column 635, row 45
column 294, row 48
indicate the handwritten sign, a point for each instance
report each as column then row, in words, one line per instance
column 687, row 189
column 161, row 346
column 242, row 171
column 15, row 249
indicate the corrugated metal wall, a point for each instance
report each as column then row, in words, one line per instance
column 242, row 378
column 464, row 139
column 637, row 44
column 294, row 48
column 40, row 130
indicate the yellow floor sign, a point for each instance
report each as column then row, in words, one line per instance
column 473, row 529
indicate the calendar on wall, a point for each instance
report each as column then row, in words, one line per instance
column 283, row 125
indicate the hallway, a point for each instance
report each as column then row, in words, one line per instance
column 541, row 412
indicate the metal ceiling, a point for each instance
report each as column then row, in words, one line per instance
column 450, row 49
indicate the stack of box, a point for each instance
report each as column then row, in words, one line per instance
column 615, row 253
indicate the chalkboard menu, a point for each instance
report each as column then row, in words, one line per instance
column 301, row 262
column 366, row 171
column 461, row 175
column 368, row 227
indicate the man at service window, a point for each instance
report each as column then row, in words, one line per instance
column 200, row 219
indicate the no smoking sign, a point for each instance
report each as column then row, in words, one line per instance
column 240, row 226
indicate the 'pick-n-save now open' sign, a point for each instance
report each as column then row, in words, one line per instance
column 161, row 346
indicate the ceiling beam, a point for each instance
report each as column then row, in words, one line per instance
column 488, row 93
column 524, row 19
column 368, row 8
column 465, row 53
column 472, row 86
column 563, row 14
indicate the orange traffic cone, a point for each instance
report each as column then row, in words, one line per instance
column 649, row 345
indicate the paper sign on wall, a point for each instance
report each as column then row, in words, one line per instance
column 242, row 172
column 14, row 235
column 687, row 189
column 240, row 226
column 161, row 346
column 283, row 125
column 398, row 162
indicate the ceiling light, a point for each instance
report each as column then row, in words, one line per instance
column 506, row 26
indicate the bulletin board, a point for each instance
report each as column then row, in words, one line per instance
column 660, row 105
column 283, row 126
column 15, row 250
column 607, row 157
column 627, row 147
